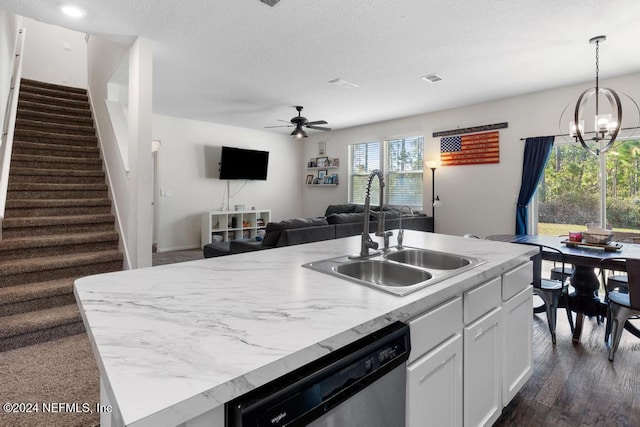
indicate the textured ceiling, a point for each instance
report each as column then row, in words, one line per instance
column 246, row 64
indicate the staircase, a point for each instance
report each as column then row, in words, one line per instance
column 58, row 223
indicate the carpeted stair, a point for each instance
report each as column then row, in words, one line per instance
column 58, row 223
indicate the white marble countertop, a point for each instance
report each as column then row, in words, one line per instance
column 174, row 341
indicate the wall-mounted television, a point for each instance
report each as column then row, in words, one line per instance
column 240, row 163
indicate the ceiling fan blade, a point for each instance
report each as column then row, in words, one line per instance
column 317, row 122
column 267, row 127
column 318, row 128
column 283, row 121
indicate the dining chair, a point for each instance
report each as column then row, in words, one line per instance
column 623, row 301
column 557, row 273
column 551, row 291
column 619, row 279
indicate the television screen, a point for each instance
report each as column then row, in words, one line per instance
column 239, row 163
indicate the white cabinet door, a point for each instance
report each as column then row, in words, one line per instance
column 483, row 369
column 518, row 344
column 434, row 386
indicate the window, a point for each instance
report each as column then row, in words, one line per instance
column 403, row 162
column 404, row 171
column 364, row 159
column 570, row 193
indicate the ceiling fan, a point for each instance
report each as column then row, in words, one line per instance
column 299, row 122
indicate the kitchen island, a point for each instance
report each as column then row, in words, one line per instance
column 174, row 343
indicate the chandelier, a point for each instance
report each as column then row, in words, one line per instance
column 607, row 116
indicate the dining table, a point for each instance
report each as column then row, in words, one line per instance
column 585, row 258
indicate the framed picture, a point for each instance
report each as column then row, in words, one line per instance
column 335, row 162
column 322, row 146
column 321, row 174
column 312, row 163
column 322, row 162
column 309, row 179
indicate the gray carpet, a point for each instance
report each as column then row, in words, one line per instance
column 58, row 371
column 58, row 223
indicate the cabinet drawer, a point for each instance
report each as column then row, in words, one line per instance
column 516, row 280
column 430, row 329
column 481, row 300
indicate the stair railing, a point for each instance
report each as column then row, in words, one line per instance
column 9, row 124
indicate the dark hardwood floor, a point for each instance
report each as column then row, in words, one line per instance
column 575, row 384
column 171, row 257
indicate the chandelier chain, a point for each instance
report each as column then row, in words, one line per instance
column 597, row 60
column 597, row 75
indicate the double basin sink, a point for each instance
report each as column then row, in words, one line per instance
column 398, row 271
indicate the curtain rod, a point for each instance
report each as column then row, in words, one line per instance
column 566, row 134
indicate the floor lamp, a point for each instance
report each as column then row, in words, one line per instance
column 435, row 200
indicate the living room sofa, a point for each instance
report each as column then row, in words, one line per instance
column 339, row 221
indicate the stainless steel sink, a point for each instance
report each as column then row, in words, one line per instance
column 400, row 271
column 383, row 273
column 429, row 259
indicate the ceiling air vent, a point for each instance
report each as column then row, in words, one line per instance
column 343, row 84
column 431, row 78
column 270, row 2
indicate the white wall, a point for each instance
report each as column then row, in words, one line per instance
column 478, row 199
column 54, row 54
column 188, row 176
column 140, row 195
column 8, row 32
column 130, row 188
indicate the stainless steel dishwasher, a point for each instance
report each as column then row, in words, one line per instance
column 361, row 384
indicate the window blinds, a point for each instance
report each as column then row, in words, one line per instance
column 365, row 157
column 404, row 160
column 403, row 163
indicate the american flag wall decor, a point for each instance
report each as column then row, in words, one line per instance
column 473, row 149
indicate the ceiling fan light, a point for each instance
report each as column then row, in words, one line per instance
column 299, row 133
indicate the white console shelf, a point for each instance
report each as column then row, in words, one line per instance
column 232, row 225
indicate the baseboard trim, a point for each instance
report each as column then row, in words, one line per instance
column 177, row 248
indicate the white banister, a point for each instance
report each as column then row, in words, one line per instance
column 9, row 123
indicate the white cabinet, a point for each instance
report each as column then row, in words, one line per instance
column 482, row 353
column 232, row 225
column 434, row 371
column 433, row 327
column 481, row 300
column 471, row 354
column 483, row 369
column 518, row 333
column 514, row 281
column 434, row 386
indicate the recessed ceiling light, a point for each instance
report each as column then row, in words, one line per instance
column 73, row 11
column 431, row 78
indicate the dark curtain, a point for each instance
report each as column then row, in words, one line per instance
column 536, row 154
